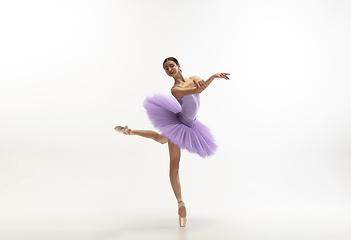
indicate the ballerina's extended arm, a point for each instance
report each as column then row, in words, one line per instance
column 202, row 84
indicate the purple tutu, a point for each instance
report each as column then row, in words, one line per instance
column 163, row 112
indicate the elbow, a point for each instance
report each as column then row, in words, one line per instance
column 177, row 94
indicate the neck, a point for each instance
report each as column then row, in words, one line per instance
column 178, row 79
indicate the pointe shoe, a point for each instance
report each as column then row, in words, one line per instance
column 182, row 220
column 125, row 130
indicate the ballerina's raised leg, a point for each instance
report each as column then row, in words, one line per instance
column 143, row 133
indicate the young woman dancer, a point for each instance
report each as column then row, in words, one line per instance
column 176, row 119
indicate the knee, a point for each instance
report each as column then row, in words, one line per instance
column 174, row 166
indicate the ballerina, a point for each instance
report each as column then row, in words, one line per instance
column 176, row 119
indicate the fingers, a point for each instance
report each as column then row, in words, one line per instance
column 202, row 84
column 224, row 75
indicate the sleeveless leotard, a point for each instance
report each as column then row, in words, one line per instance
column 190, row 106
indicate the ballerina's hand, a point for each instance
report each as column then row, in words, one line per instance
column 202, row 84
column 221, row 75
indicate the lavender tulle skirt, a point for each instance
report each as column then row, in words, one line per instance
column 162, row 111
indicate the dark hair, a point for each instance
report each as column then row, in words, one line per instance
column 171, row 59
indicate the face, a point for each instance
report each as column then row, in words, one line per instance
column 171, row 68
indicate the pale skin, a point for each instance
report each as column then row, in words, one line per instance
column 173, row 70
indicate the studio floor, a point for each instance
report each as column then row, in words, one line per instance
column 205, row 228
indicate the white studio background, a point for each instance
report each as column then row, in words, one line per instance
column 73, row 70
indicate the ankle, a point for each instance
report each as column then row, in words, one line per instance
column 180, row 202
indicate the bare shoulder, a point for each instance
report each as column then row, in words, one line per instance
column 196, row 78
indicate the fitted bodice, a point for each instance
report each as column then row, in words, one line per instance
column 190, row 105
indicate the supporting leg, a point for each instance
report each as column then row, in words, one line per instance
column 174, row 153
